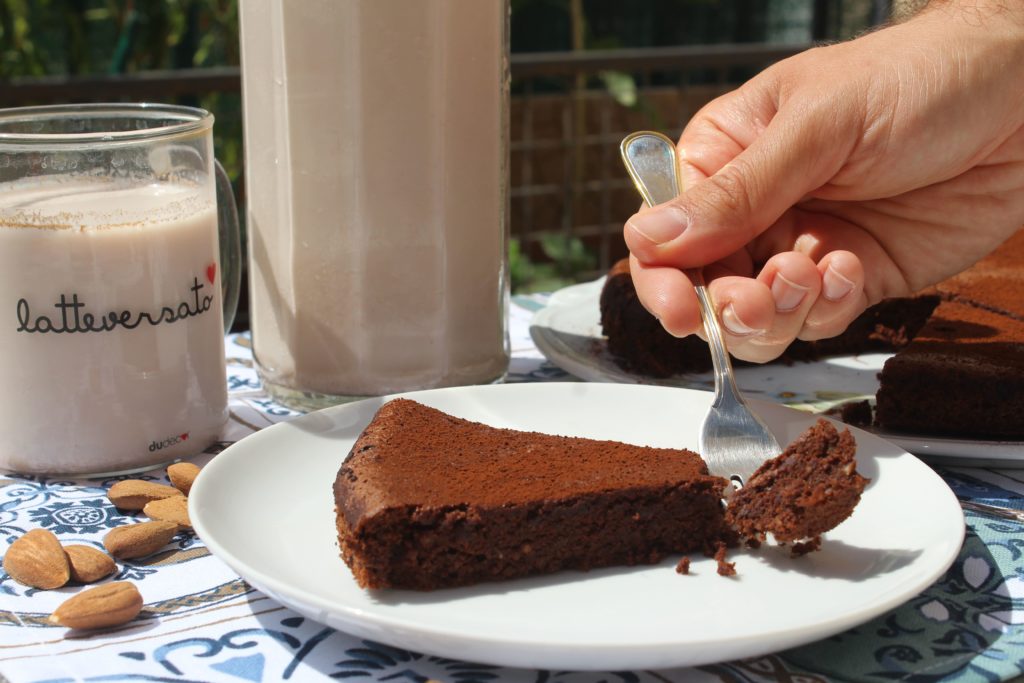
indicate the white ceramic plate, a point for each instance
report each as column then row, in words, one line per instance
column 265, row 507
column 568, row 332
column 959, row 452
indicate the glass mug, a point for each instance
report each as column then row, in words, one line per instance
column 119, row 272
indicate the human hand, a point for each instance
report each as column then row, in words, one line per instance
column 842, row 176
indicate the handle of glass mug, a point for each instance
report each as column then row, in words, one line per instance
column 230, row 244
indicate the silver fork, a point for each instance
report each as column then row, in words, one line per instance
column 733, row 441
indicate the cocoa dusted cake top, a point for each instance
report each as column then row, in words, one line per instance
column 962, row 333
column 996, row 282
column 468, row 462
column 994, row 288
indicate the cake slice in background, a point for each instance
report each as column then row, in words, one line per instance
column 637, row 341
column 957, row 369
column 639, row 344
column 962, row 375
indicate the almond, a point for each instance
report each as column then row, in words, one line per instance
column 138, row 540
column 111, row 604
column 89, row 564
column 133, row 494
column 37, row 559
column 182, row 474
column 173, row 509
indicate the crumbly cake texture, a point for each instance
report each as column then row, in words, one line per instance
column 722, row 567
column 951, row 343
column 807, row 490
column 425, row 500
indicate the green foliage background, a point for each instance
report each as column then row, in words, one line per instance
column 41, row 38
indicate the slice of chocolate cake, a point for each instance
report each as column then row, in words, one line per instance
column 639, row 344
column 807, row 490
column 963, row 374
column 425, row 500
column 637, row 341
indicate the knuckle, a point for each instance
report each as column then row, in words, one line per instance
column 815, row 329
column 732, row 193
column 758, row 349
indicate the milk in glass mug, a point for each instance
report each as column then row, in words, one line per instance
column 119, row 272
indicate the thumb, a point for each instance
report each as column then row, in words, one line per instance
column 790, row 158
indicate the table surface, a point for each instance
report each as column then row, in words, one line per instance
column 202, row 622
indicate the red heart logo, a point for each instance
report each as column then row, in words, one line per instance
column 184, row 437
column 211, row 272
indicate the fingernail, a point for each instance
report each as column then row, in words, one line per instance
column 788, row 295
column 834, row 286
column 658, row 226
column 734, row 325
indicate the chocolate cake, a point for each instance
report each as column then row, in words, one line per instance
column 636, row 339
column 639, row 344
column 962, row 375
column 950, row 342
column 807, row 490
column 426, row 500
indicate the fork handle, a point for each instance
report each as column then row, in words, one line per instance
column 724, row 380
column 651, row 161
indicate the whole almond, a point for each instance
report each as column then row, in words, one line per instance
column 138, row 540
column 133, row 494
column 110, row 604
column 182, row 474
column 174, row 509
column 36, row 559
column 89, row 564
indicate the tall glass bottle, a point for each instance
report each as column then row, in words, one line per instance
column 376, row 144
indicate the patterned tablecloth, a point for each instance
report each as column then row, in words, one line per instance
column 201, row 622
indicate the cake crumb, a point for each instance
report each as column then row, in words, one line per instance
column 856, row 413
column 894, row 336
column 724, row 568
column 803, row 547
column 684, row 566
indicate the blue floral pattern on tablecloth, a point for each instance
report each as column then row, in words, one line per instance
column 202, row 623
